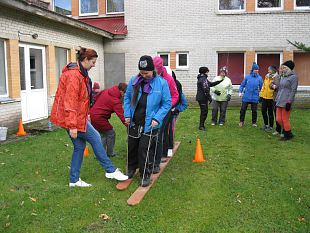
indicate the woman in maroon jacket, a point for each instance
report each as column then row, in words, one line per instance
column 107, row 102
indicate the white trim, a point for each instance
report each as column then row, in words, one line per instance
column 269, row 8
column 177, row 61
column 300, row 7
column 6, row 69
column 53, row 8
column 165, row 53
column 232, row 10
column 88, row 14
column 113, row 13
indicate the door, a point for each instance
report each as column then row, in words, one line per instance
column 114, row 69
column 302, row 68
column 264, row 60
column 33, row 82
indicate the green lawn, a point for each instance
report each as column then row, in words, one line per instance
column 252, row 182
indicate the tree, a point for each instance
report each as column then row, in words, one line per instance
column 299, row 45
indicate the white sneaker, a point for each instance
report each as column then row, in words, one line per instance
column 80, row 183
column 170, row 153
column 117, row 175
column 221, row 124
column 282, row 135
column 213, row 124
column 275, row 133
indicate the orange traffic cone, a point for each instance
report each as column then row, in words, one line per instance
column 198, row 155
column 86, row 152
column 21, row 131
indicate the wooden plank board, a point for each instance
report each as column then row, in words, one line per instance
column 139, row 194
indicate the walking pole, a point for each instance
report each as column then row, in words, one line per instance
column 155, row 153
column 147, row 153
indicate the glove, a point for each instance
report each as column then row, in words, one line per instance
column 288, row 106
column 228, row 97
column 240, row 94
column 217, row 92
column 260, row 99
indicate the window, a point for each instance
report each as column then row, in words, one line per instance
column 3, row 75
column 231, row 4
column 302, row 68
column 115, row 6
column 63, row 7
column 268, row 4
column 302, row 4
column 166, row 58
column 182, row 60
column 235, row 65
column 264, row 60
column 61, row 57
column 88, row 7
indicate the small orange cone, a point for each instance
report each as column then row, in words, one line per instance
column 21, row 131
column 86, row 152
column 198, row 155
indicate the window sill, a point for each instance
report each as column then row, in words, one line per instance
column 182, row 69
column 297, row 11
column 7, row 100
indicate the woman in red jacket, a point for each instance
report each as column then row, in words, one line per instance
column 106, row 103
column 70, row 111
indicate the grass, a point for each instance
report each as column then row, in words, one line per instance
column 252, row 182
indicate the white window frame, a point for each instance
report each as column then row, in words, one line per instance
column 88, row 14
column 231, row 11
column 6, row 70
column 53, row 7
column 68, row 50
column 178, row 67
column 300, row 7
column 113, row 13
column 269, row 8
column 165, row 53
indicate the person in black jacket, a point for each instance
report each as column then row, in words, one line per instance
column 203, row 94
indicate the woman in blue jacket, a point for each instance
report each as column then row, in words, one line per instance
column 146, row 102
column 251, row 86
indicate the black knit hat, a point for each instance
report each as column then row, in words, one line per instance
column 203, row 70
column 290, row 64
column 146, row 63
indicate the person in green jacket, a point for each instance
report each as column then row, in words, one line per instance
column 221, row 95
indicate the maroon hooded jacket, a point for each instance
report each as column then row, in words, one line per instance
column 107, row 102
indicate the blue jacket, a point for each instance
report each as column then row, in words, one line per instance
column 251, row 85
column 182, row 105
column 158, row 102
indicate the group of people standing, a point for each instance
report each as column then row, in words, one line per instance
column 276, row 93
column 152, row 101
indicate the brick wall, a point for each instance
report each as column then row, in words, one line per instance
column 10, row 115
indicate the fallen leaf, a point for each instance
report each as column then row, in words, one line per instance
column 104, row 217
column 2, row 163
column 8, row 216
column 301, row 218
column 44, row 180
column 8, row 224
column 103, row 199
column 22, row 203
column 33, row 214
column 299, row 200
column 66, row 144
column 238, row 201
column 33, row 199
column 12, row 190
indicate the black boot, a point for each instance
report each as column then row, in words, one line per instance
column 287, row 135
column 146, row 181
column 131, row 173
column 156, row 169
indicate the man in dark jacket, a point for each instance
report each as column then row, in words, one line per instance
column 107, row 102
column 203, row 94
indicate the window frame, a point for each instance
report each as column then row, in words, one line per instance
column 300, row 7
column 88, row 14
column 113, row 13
column 244, row 64
column 54, row 9
column 165, row 53
column 178, row 67
column 232, row 10
column 269, row 52
column 269, row 8
column 6, row 69
column 68, row 50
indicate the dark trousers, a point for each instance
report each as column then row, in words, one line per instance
column 267, row 112
column 244, row 107
column 138, row 155
column 278, row 126
column 163, row 140
column 203, row 113
column 108, row 141
column 216, row 105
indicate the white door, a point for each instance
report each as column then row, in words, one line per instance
column 33, row 82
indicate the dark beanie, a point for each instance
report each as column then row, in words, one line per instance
column 146, row 63
column 290, row 64
column 203, row 70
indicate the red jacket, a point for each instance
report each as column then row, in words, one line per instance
column 107, row 102
column 71, row 103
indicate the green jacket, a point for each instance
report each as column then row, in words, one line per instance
column 224, row 87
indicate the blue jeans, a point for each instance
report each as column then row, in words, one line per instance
column 93, row 137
